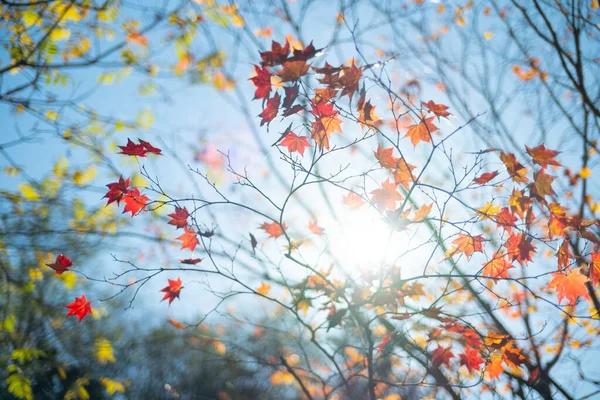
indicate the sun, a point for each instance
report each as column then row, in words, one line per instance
column 360, row 240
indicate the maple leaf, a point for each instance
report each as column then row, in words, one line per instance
column 386, row 197
column 403, row 173
column 305, row 54
column 354, row 201
column 438, row 109
column 293, row 71
column 172, row 290
column 515, row 169
column 505, row 219
column 314, row 227
column 494, row 368
column 349, row 79
column 277, row 55
column 542, row 184
column 134, row 201
column 179, row 217
column 564, row 255
column 80, row 307
column 295, row 143
column 263, row 289
column 176, row 324
column 441, row 356
column 325, row 124
column 497, row 267
column 519, row 203
column 468, row 244
column 273, row 229
column 335, row 317
column 542, row 156
column 116, row 190
column 422, row 131
column 149, row 148
column 485, row 177
column 262, row 81
column 595, row 267
column 190, row 261
column 367, row 116
column 569, row 286
column 132, row 149
column 61, row 264
column 520, row 248
column 291, row 93
column 384, row 341
column 487, row 211
column 385, row 157
column 422, row 212
column 189, row 240
column 270, row 111
column 470, row 358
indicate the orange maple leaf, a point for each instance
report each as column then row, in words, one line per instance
column 438, row 109
column 515, row 169
column 497, row 267
column 293, row 70
column 485, row 177
column 422, row 212
column 403, row 173
column 543, row 184
column 387, row 196
column 470, row 358
column 273, row 229
column 295, row 143
column 385, row 157
column 189, row 240
column 595, row 267
column 569, row 286
column 542, row 156
column 494, row 368
column 422, row 131
column 354, row 201
column 314, row 227
column 468, row 244
column 134, row 201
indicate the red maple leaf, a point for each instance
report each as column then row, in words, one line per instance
column 80, row 307
column 132, row 149
column 384, row 341
column 134, row 201
column 295, row 143
column 277, row 55
column 438, row 109
column 149, row 148
column 61, row 264
column 470, row 358
column 270, row 111
column 305, row 54
column 262, row 81
column 172, row 290
column 542, row 156
column 291, row 92
column 189, row 240
column 116, row 190
column 520, row 248
column 191, row 261
column 569, row 286
column 485, row 177
column 273, row 229
column 179, row 217
column 441, row 356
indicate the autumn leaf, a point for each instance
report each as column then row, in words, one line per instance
column 273, row 229
column 179, row 217
column 325, row 124
column 422, row 212
column 263, row 289
column 386, row 197
column 270, row 111
column 349, row 79
column 190, row 261
column 314, row 227
column 149, row 148
column 470, row 358
column 172, row 290
column 542, row 156
column 384, row 341
column 468, row 244
column 570, row 285
column 295, row 143
column 403, row 173
column 61, row 264
column 422, row 131
column 293, row 71
column 515, row 169
column 262, row 81
column 488, row 210
column 134, row 201
column 116, row 190
column 176, row 324
column 542, row 184
column 80, row 307
column 277, row 55
column 189, row 240
column 438, row 109
column 594, row 267
column 520, row 248
column 441, row 356
column 497, row 267
column 132, row 149
column 494, row 368
column 485, row 177
column 354, row 201
column 385, row 157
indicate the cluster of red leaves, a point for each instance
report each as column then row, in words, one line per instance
column 140, row 150
column 133, row 199
column 80, row 307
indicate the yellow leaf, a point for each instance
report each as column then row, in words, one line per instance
column 28, row 192
column 595, row 4
column 585, row 173
column 263, row 289
column 51, row 115
column 489, row 210
column 35, row 274
column 19, row 386
column 111, row 386
column 81, row 178
column 104, row 351
column 60, row 167
column 59, row 34
column 30, row 17
column 68, row 278
column 488, row 35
